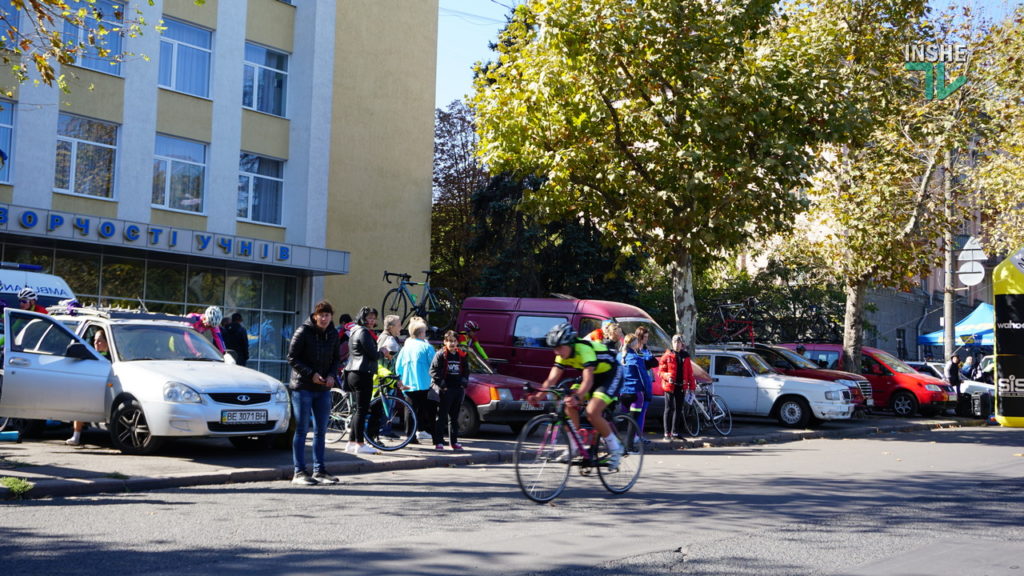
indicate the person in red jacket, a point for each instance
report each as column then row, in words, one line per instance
column 677, row 380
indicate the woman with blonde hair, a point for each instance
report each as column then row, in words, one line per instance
column 413, row 366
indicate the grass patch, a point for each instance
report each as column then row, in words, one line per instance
column 18, row 486
column 117, row 476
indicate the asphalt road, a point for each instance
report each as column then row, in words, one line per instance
column 934, row 502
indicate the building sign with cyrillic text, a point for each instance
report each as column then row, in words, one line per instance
column 113, row 232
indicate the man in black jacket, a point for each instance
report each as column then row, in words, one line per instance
column 313, row 356
column 237, row 338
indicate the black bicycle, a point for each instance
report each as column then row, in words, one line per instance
column 435, row 304
column 390, row 422
column 707, row 409
column 550, row 445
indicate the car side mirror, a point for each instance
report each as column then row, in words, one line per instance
column 78, row 351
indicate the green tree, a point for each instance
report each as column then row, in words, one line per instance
column 677, row 128
column 41, row 44
column 457, row 175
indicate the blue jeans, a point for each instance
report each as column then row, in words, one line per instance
column 318, row 403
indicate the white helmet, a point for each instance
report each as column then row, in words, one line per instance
column 212, row 316
column 27, row 294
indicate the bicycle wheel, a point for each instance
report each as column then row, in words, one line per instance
column 721, row 418
column 390, row 424
column 441, row 309
column 691, row 418
column 623, row 478
column 542, row 458
column 395, row 303
column 341, row 415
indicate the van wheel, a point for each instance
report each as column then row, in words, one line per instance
column 904, row 404
column 469, row 419
column 794, row 412
column 129, row 430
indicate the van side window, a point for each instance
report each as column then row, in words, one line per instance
column 530, row 331
column 588, row 325
column 704, row 361
column 729, row 366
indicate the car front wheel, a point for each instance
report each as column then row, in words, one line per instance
column 904, row 404
column 129, row 430
column 469, row 419
column 794, row 412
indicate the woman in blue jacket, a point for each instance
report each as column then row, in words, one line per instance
column 413, row 366
column 636, row 380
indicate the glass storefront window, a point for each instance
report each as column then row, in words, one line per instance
column 82, row 273
column 122, row 278
column 243, row 291
column 165, row 281
column 27, row 255
column 273, row 334
column 205, row 287
column 278, row 293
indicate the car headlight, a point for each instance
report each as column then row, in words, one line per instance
column 933, row 387
column 280, row 394
column 834, row 395
column 178, row 392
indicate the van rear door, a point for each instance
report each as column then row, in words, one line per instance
column 49, row 373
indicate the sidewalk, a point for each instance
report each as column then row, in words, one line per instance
column 58, row 470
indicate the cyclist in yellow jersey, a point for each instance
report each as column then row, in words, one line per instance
column 599, row 387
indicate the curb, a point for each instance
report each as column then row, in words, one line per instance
column 59, row 488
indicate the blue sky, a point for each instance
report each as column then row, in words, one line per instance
column 465, row 27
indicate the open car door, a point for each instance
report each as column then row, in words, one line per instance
column 48, row 372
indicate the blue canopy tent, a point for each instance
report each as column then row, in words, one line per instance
column 974, row 330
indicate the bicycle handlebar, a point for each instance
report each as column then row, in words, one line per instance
column 389, row 275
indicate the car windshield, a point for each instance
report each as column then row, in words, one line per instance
column 795, row 358
column 162, row 342
column 757, row 364
column 658, row 341
column 894, row 363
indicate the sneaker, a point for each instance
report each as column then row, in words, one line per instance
column 439, row 447
column 457, row 447
column 365, row 449
column 73, row 442
column 352, row 448
column 325, row 478
column 614, row 457
column 668, row 437
column 421, row 435
column 303, row 479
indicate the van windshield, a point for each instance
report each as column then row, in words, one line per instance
column 894, row 363
column 658, row 341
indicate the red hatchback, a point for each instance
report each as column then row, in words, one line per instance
column 894, row 384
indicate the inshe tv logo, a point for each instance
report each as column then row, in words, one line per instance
column 932, row 59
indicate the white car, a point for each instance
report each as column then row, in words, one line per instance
column 163, row 380
column 749, row 386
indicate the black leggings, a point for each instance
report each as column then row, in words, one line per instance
column 360, row 386
column 425, row 408
column 674, row 412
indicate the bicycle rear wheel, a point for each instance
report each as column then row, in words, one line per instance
column 621, row 479
column 395, row 303
column 441, row 309
column 542, row 458
column 341, row 416
column 721, row 417
column 390, row 424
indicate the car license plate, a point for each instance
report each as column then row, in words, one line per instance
column 528, row 406
column 952, row 397
column 869, row 402
column 243, row 417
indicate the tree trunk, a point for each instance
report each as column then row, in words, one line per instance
column 682, row 298
column 853, row 325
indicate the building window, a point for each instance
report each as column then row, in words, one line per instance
column 86, row 150
column 265, row 83
column 99, row 51
column 260, row 183
column 6, row 138
column 179, row 174
column 185, row 58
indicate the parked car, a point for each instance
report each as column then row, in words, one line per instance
column 749, row 386
column 494, row 398
column 937, row 370
column 785, row 361
column 894, row 384
column 163, row 380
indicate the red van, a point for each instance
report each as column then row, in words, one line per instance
column 895, row 385
column 512, row 330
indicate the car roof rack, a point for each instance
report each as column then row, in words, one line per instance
column 113, row 313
